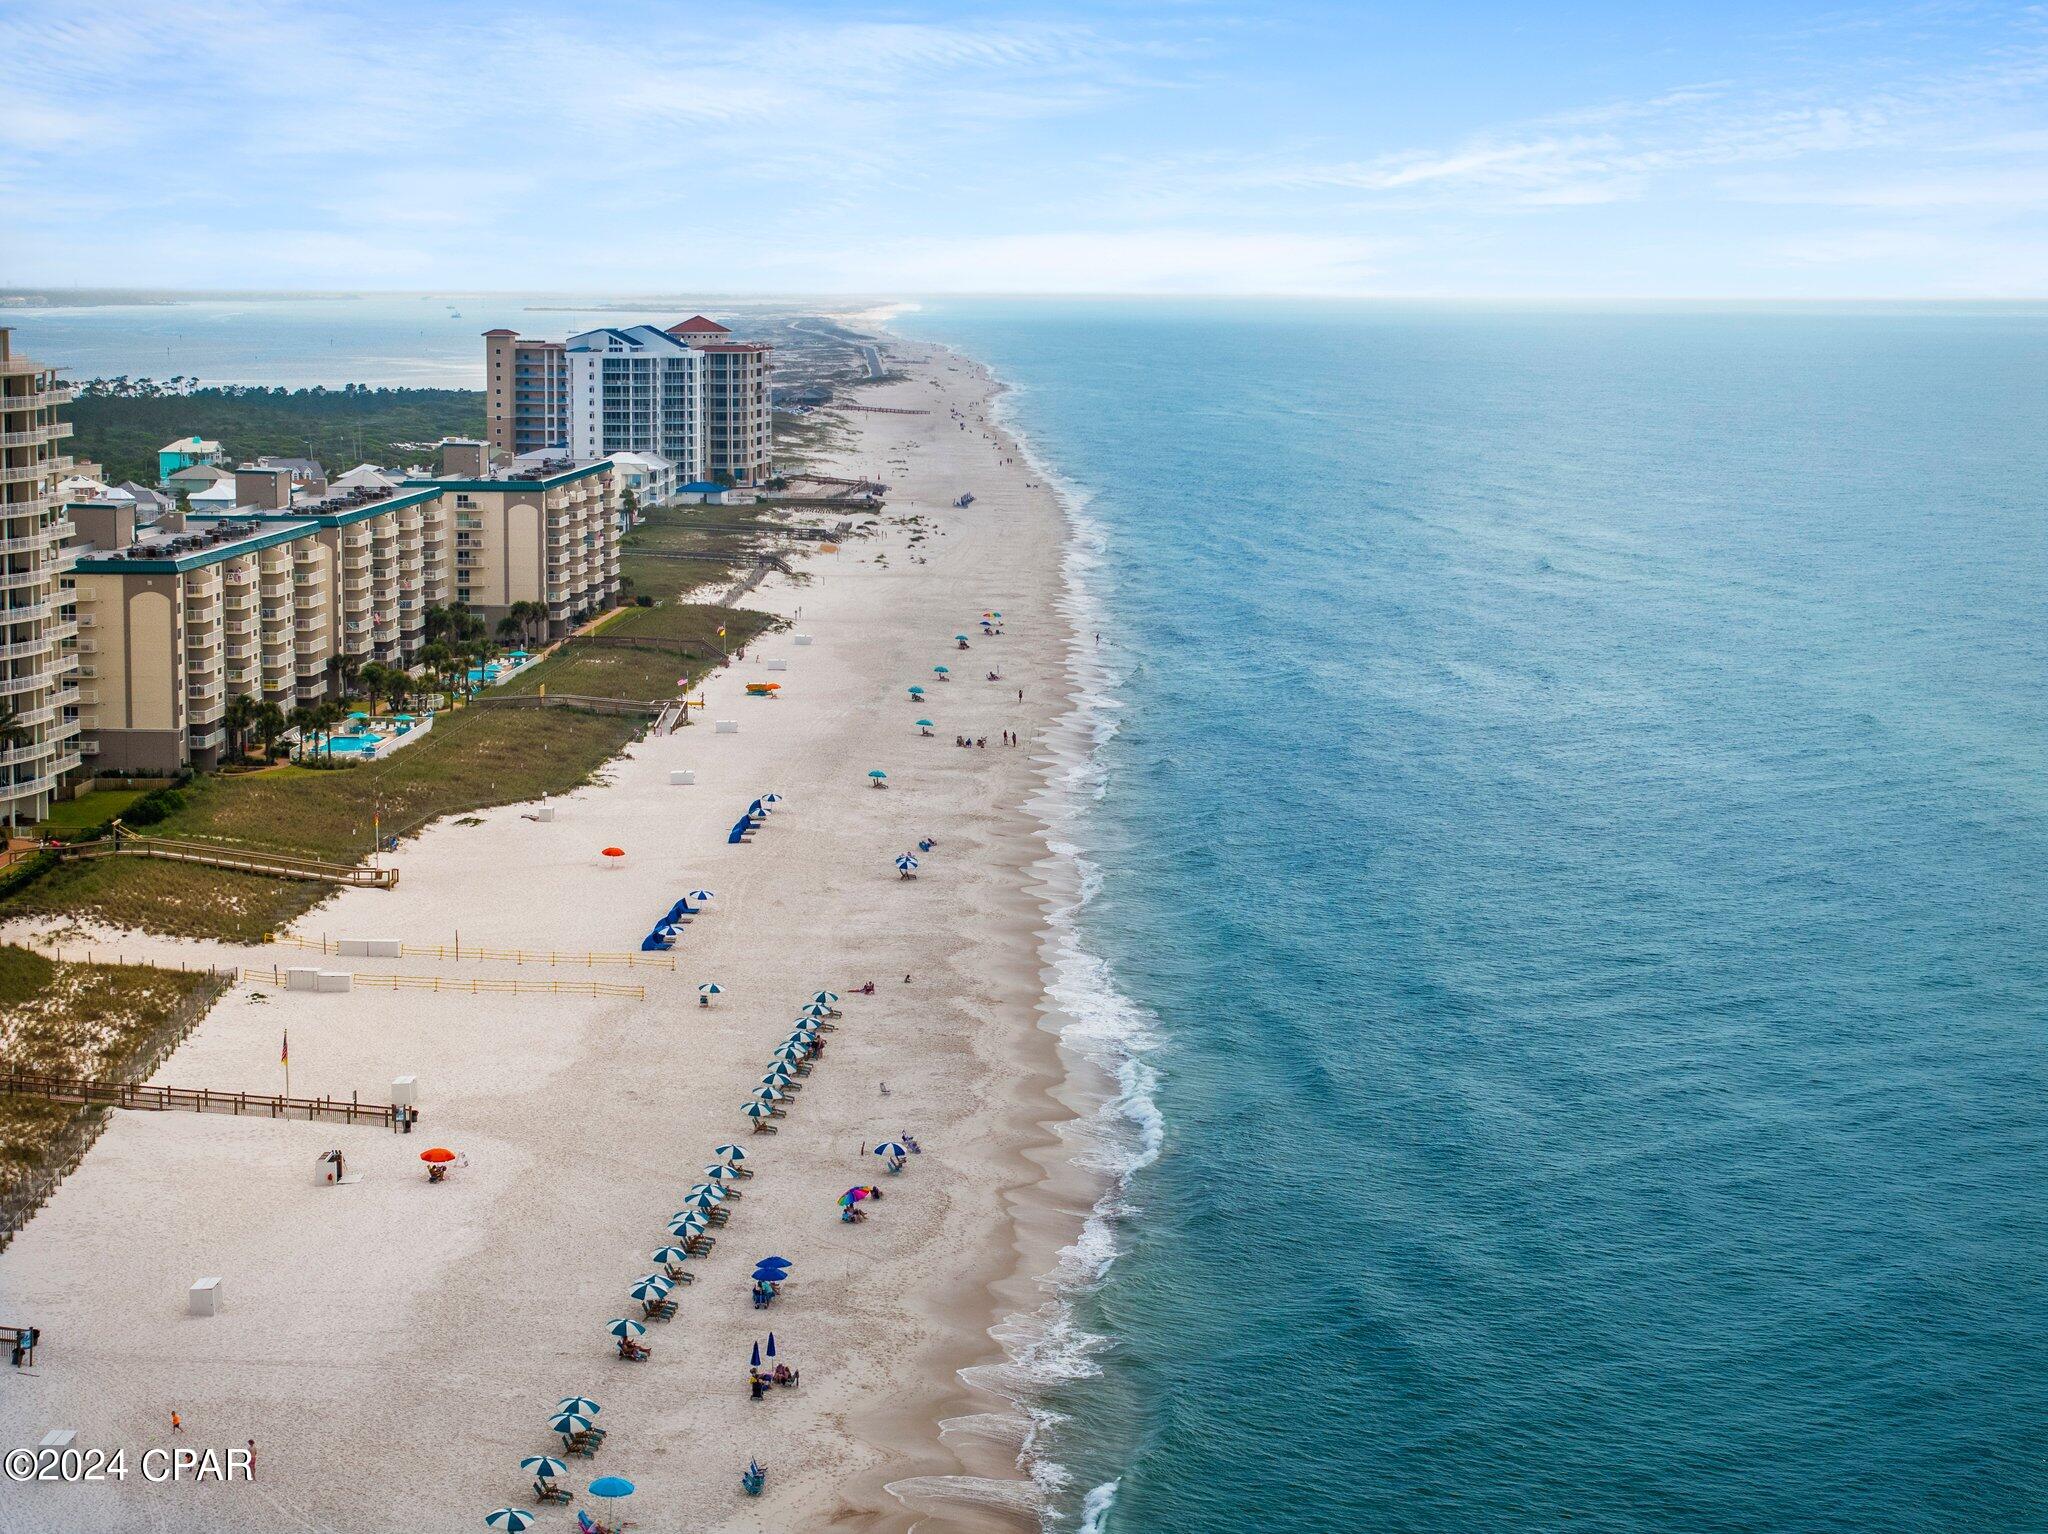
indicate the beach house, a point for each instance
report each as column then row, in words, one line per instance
column 185, row 453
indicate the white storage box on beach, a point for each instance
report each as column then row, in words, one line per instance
column 404, row 1090
column 307, row 979
column 726, row 727
column 545, row 813
column 803, row 639
column 335, row 980
column 369, row 947
column 203, row 1299
column 682, row 777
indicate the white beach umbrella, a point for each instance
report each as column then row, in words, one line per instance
column 768, row 1095
column 818, row 1008
column 890, row 1148
column 791, row 1051
column 705, row 1196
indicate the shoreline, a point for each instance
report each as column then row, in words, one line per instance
column 936, row 1438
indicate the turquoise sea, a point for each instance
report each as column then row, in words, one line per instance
column 1564, row 840
column 1572, row 913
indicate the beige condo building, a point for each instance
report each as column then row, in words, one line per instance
column 545, row 532
column 39, row 693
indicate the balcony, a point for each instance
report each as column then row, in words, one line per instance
column 35, row 436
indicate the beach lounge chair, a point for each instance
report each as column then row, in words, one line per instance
column 763, row 1127
column 545, row 1492
column 585, row 1524
column 660, row 1310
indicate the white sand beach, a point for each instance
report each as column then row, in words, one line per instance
column 394, row 1347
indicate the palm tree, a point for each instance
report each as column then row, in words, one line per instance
column 269, row 723
column 241, row 714
column 13, row 733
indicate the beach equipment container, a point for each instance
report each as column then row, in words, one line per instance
column 582, row 1404
column 652, row 1287
column 890, row 1148
column 623, row 1326
column 753, row 1478
column 567, row 1422
column 514, row 1519
column 670, row 1254
column 729, row 1152
column 546, row 1466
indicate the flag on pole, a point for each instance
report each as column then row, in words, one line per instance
column 284, row 1055
column 721, row 631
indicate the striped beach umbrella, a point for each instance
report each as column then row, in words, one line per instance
column 687, row 1222
column 890, row 1148
column 815, row 1009
column 711, row 988
column 825, row 998
column 582, row 1405
column 567, row 1422
column 703, row 895
column 624, row 1326
column 514, row 1519
column 671, row 1254
column 652, row 1287
column 704, row 1196
column 778, row 1075
column 771, row 798
column 546, row 1466
column 768, row 1095
column 729, row 1152
column 755, row 1111
column 905, row 862
column 791, row 1051
column 721, row 1171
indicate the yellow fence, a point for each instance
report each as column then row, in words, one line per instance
column 473, row 987
column 457, row 952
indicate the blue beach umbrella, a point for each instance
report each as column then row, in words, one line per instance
column 624, row 1326
column 924, row 724
column 771, row 798
column 671, row 1254
column 582, row 1405
column 775, row 1262
column 754, row 1362
column 768, row 1273
column 511, row 1518
column 877, row 774
column 906, row 862
column 611, row 1488
column 890, row 1148
column 546, row 1466
column 701, row 895
column 771, row 1345
column 959, row 636
column 943, row 670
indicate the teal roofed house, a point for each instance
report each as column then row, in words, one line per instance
column 185, row 453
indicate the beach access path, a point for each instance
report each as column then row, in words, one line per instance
column 394, row 1346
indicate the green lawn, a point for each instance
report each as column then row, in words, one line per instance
column 583, row 669
column 71, row 816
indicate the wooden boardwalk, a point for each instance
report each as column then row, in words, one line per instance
column 130, row 1094
column 275, row 865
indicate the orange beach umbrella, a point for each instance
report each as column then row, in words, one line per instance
column 439, row 1155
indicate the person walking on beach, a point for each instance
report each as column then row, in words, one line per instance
column 177, row 1423
column 252, row 1459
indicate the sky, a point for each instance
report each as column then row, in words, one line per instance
column 1572, row 151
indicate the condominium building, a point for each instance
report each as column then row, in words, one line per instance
column 265, row 602
column 637, row 390
column 526, row 392
column 540, row 530
column 738, row 413
column 690, row 393
column 39, row 693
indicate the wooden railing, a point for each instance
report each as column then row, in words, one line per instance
column 470, row 987
column 276, row 865
column 457, row 952
column 131, row 1094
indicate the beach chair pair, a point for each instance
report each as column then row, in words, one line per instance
column 700, row 1245
column 717, row 1216
column 545, row 1492
column 763, row 1127
column 660, row 1310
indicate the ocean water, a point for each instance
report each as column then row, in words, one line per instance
column 1566, row 863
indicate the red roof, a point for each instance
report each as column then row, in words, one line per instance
column 501, row 331
column 697, row 325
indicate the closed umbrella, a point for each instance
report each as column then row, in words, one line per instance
column 754, row 1360
column 769, row 1351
